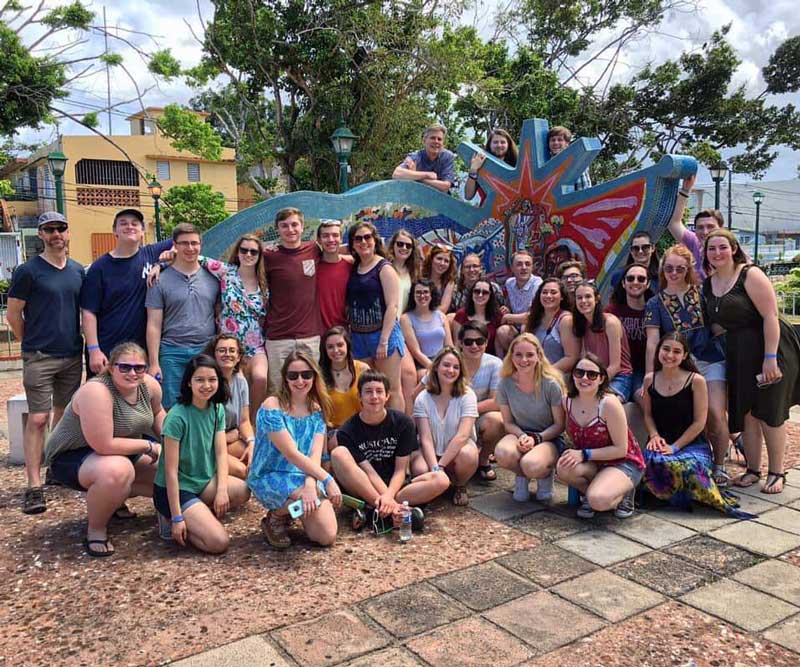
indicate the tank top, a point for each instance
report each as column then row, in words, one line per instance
column 550, row 338
column 595, row 435
column 130, row 421
column 674, row 414
column 430, row 334
column 597, row 343
column 345, row 403
column 365, row 299
column 404, row 285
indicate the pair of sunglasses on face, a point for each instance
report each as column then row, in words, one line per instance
column 294, row 375
column 582, row 372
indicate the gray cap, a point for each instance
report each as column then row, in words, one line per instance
column 51, row 216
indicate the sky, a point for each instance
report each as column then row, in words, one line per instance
column 757, row 29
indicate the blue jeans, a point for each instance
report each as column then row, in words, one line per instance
column 173, row 360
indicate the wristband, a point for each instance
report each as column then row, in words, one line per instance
column 683, row 193
column 474, row 177
column 327, row 481
column 771, row 355
column 587, row 454
column 436, row 468
column 537, row 438
column 250, row 440
column 149, row 451
column 92, row 348
column 675, row 449
column 177, row 519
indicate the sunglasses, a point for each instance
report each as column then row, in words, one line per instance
column 669, row 268
column 641, row 248
column 582, row 372
column 361, row 238
column 481, row 292
column 139, row 369
column 294, row 375
column 249, row 251
column 52, row 229
column 401, row 244
column 469, row 342
column 635, row 279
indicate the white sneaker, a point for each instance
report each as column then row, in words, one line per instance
column 544, row 488
column 585, row 511
column 521, row 492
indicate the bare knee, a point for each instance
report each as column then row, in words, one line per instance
column 600, row 499
column 341, row 459
column 535, row 469
column 217, row 542
column 38, row 421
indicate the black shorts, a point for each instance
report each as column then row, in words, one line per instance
column 64, row 468
column 161, row 501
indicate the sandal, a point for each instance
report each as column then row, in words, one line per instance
column 748, row 478
column 34, row 502
column 123, row 513
column 721, row 477
column 461, row 497
column 96, row 553
column 772, row 479
column 276, row 529
column 487, row 473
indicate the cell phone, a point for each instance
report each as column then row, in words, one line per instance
column 760, row 381
column 296, row 508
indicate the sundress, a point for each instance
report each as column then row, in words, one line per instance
column 242, row 314
column 686, row 475
column 272, row 478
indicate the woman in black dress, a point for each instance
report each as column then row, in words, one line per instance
column 763, row 356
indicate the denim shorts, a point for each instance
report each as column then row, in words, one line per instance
column 631, row 470
column 558, row 441
column 712, row 371
column 65, row 467
column 637, row 380
column 161, row 501
column 365, row 345
column 621, row 385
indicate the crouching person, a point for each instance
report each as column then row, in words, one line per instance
column 374, row 451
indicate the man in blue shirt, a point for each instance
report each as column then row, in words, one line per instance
column 112, row 298
column 43, row 312
column 434, row 165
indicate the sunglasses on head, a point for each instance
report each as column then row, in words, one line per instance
column 52, row 229
column 645, row 247
column 127, row 368
column 469, row 342
column 480, row 291
column 359, row 238
column 582, row 372
column 249, row 251
column 635, row 279
column 404, row 244
column 294, row 375
column 669, row 268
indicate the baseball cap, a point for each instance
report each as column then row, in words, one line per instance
column 133, row 212
column 51, row 216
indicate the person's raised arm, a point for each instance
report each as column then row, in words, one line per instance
column 762, row 294
column 675, row 226
column 471, row 186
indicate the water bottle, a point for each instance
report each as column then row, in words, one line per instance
column 405, row 523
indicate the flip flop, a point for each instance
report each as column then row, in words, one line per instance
column 751, row 475
column 772, row 480
column 94, row 553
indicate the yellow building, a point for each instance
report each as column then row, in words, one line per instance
column 102, row 177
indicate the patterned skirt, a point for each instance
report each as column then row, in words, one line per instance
column 685, row 476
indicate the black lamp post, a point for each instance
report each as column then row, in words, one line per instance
column 155, row 192
column 718, row 173
column 58, row 163
column 343, row 140
column 758, row 197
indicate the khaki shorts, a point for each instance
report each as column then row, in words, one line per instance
column 50, row 381
column 278, row 350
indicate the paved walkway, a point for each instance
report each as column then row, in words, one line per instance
column 662, row 588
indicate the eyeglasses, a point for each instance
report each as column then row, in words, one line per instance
column 227, row 350
column 294, row 375
column 572, row 276
column 188, row 244
column 421, row 293
column 478, row 291
column 582, row 372
column 52, row 229
column 645, row 247
column 669, row 268
column 400, row 244
column 139, row 369
column 469, row 342
column 635, row 279
column 361, row 238
column 249, row 251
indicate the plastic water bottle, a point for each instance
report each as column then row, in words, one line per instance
column 405, row 523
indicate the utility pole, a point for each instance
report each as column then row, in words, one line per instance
column 108, row 71
column 730, row 205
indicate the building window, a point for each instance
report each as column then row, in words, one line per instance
column 162, row 170
column 193, row 172
column 106, row 172
column 107, row 197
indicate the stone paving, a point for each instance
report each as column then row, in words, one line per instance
column 662, row 588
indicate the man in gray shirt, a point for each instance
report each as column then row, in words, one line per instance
column 180, row 313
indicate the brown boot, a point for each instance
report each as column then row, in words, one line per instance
column 276, row 529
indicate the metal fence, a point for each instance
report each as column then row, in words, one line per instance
column 789, row 305
column 9, row 346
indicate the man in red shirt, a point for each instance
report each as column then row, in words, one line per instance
column 333, row 273
column 293, row 319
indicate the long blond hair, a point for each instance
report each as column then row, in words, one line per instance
column 318, row 398
column 543, row 369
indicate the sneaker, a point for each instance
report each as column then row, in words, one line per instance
column 626, row 506
column 164, row 527
column 721, row 476
column 585, row 511
column 417, row 519
column 544, row 488
column 358, row 520
column 460, row 496
column 522, row 493
column 34, row 502
column 276, row 530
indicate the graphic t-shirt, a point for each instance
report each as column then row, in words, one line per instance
column 380, row 444
column 633, row 323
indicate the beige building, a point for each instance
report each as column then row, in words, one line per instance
column 104, row 176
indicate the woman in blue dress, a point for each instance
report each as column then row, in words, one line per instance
column 290, row 438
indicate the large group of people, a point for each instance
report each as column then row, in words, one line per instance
column 307, row 370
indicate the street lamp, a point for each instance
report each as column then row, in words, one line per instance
column 718, row 173
column 758, row 197
column 58, row 163
column 155, row 189
column 343, row 140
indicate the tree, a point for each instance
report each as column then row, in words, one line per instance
column 196, row 203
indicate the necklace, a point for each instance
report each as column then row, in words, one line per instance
column 727, row 288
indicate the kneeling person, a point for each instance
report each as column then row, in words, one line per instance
column 375, row 448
